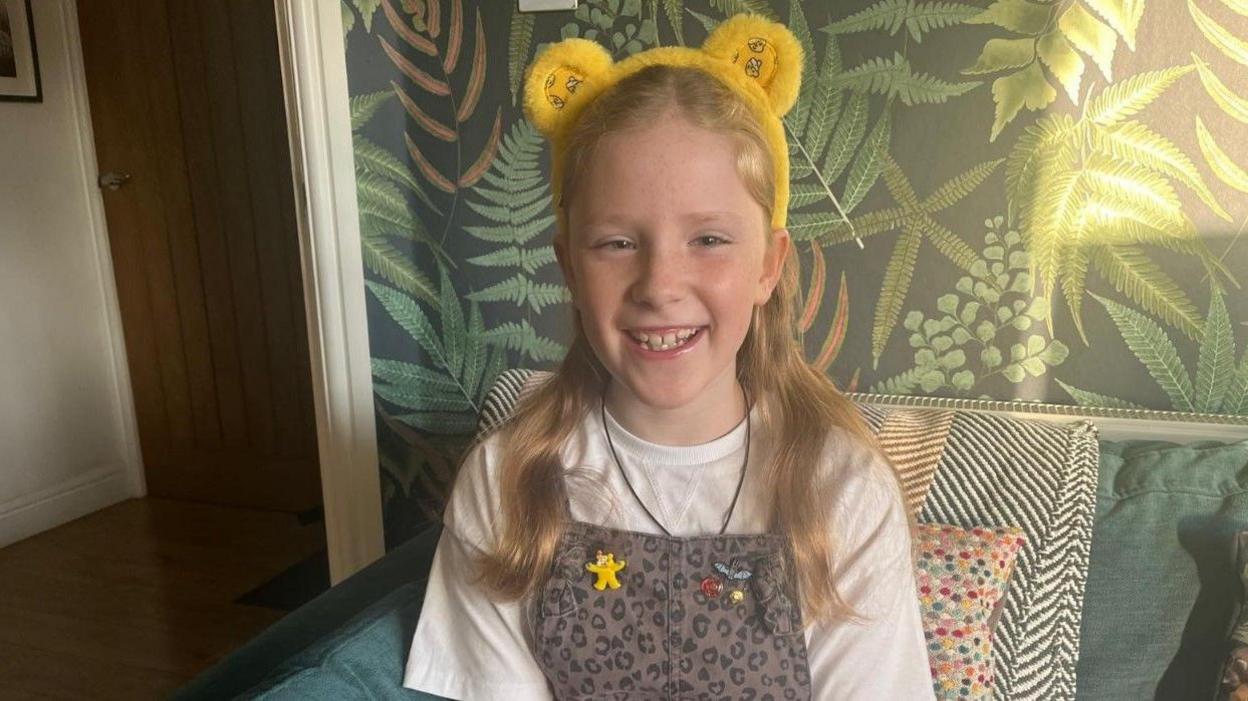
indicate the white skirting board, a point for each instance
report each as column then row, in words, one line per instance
column 35, row 513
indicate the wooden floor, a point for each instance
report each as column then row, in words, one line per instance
column 132, row 601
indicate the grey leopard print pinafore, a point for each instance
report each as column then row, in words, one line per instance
column 664, row 634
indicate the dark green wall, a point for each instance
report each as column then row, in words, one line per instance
column 1049, row 197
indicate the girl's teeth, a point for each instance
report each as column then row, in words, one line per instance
column 665, row 341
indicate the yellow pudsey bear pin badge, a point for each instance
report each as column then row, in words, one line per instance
column 758, row 58
column 605, row 566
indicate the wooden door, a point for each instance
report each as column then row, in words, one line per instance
column 186, row 99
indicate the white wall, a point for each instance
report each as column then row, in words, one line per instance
column 68, row 438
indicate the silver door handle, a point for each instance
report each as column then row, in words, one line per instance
column 113, row 180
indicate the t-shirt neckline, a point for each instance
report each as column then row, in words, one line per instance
column 679, row 455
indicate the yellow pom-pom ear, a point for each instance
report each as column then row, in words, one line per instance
column 764, row 51
column 562, row 80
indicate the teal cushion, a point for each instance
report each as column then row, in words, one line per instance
column 317, row 621
column 362, row 660
column 1161, row 586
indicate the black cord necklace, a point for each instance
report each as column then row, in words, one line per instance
column 740, row 480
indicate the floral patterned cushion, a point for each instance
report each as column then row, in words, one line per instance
column 1234, row 678
column 962, row 577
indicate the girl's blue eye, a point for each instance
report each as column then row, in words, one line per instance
column 712, row 240
column 617, row 244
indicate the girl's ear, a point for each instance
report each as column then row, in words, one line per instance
column 562, row 80
column 773, row 264
column 762, row 51
column 565, row 264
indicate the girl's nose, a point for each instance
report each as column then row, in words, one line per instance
column 660, row 278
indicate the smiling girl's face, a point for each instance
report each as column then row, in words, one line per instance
column 666, row 244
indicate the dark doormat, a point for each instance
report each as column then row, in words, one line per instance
column 294, row 587
column 299, row 583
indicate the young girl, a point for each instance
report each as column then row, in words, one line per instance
column 685, row 509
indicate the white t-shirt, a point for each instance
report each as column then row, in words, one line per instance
column 467, row 646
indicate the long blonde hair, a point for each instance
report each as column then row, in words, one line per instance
column 796, row 402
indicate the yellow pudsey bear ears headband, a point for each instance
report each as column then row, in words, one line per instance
column 759, row 59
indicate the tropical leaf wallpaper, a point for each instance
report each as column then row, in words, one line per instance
column 1001, row 199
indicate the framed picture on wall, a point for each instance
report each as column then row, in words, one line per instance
column 19, row 60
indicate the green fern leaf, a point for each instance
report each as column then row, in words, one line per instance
column 521, row 40
column 495, row 213
column 387, row 262
column 453, row 328
column 1140, row 278
column 1086, row 398
column 373, row 159
column 475, row 351
column 1044, row 146
column 411, row 318
column 803, row 194
column 926, row 16
column 799, row 167
column 826, row 105
column 363, row 107
column 398, row 372
column 850, row 130
column 829, row 226
column 528, row 260
column 905, row 383
column 674, row 9
column 885, row 14
column 960, row 185
column 515, row 210
column 519, row 235
column 1125, row 98
column 708, row 23
column 870, row 161
column 899, row 185
column 892, row 15
column 895, row 79
column 1123, row 15
column 367, row 9
column 1136, row 143
column 1115, row 184
column 497, row 364
column 1155, row 350
column 798, row 116
column 514, row 196
column 521, row 291
column 735, row 7
column 421, row 399
column 441, row 423
column 897, row 278
column 528, row 190
column 1216, row 363
column 518, row 185
column 348, row 21
column 949, row 244
column 383, row 209
column 379, row 197
column 1073, row 275
column 1056, row 212
column 521, row 336
column 1235, row 402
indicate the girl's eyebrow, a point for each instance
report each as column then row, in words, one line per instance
column 714, row 215
column 690, row 217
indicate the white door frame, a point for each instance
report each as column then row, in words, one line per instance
column 314, row 75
